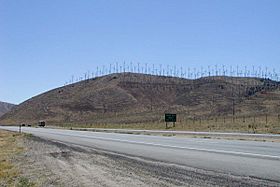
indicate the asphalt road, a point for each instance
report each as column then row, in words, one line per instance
column 183, row 132
column 241, row 158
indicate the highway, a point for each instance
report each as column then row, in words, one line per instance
column 180, row 132
column 240, row 158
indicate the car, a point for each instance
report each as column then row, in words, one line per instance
column 42, row 124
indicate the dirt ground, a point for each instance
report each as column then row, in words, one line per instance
column 48, row 163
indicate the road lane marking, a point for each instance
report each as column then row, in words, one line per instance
column 159, row 145
column 186, row 132
column 168, row 146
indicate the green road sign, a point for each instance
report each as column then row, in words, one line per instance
column 170, row 117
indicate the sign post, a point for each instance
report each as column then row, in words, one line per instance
column 170, row 118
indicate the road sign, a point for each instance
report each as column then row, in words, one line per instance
column 170, row 117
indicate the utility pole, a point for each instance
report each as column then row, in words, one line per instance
column 233, row 107
column 151, row 104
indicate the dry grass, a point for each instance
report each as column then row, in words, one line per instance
column 248, row 124
column 9, row 148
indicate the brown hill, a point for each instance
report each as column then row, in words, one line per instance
column 5, row 107
column 136, row 98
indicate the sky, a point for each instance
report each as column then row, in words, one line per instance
column 43, row 43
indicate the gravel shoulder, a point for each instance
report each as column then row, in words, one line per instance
column 50, row 163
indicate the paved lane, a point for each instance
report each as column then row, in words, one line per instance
column 246, row 158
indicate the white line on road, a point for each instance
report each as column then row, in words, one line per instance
column 171, row 146
column 185, row 132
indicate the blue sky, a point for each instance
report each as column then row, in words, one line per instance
column 44, row 43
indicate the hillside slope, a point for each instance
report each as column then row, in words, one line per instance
column 5, row 107
column 133, row 98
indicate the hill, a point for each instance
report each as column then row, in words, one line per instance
column 126, row 98
column 5, row 107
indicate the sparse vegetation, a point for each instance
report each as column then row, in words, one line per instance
column 24, row 182
column 259, row 125
column 9, row 148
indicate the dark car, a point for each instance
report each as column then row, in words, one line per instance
column 42, row 124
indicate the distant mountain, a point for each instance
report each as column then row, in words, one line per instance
column 5, row 107
column 141, row 98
